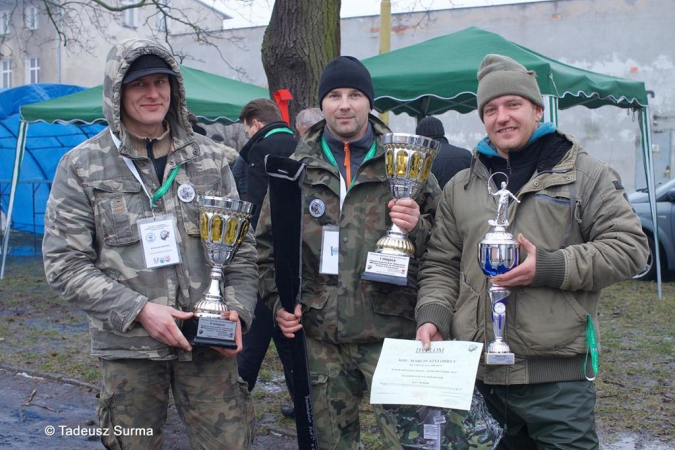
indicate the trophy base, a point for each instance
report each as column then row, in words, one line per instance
column 386, row 268
column 210, row 332
column 500, row 359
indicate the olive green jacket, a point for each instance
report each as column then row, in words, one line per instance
column 343, row 308
column 546, row 321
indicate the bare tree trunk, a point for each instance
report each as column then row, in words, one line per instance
column 302, row 37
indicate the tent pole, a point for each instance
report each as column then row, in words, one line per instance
column 646, row 140
column 551, row 110
column 18, row 158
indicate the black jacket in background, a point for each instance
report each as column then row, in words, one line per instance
column 254, row 152
column 449, row 161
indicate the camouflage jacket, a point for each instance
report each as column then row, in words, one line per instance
column 92, row 253
column 343, row 308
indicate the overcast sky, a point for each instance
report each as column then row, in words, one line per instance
column 248, row 13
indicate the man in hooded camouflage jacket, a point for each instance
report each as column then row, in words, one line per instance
column 148, row 164
column 345, row 318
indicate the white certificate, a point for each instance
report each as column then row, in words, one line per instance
column 443, row 376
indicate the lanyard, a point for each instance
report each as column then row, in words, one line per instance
column 163, row 188
column 592, row 347
column 278, row 130
column 130, row 164
column 329, row 154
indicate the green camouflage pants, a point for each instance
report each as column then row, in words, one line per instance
column 212, row 402
column 338, row 374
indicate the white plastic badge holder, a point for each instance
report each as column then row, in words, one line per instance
column 159, row 241
column 330, row 250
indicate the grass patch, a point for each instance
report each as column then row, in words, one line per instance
column 636, row 364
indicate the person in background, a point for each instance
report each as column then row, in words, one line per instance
column 306, row 119
column 268, row 134
column 578, row 234
column 450, row 159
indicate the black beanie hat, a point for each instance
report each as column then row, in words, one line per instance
column 146, row 65
column 430, row 127
column 346, row 72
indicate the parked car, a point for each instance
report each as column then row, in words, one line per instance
column 665, row 207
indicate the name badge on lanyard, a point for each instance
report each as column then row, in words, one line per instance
column 159, row 234
column 159, row 241
column 330, row 250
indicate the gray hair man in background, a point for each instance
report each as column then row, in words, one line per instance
column 306, row 119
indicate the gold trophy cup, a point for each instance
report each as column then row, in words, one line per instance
column 223, row 224
column 408, row 160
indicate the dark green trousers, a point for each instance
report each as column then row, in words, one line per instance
column 544, row 416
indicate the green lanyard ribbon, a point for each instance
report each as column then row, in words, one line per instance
column 278, row 130
column 164, row 187
column 329, row 155
column 592, row 348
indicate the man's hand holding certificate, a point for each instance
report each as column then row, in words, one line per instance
column 443, row 376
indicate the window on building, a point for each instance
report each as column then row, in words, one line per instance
column 6, row 69
column 31, row 17
column 32, row 70
column 163, row 22
column 4, row 22
column 130, row 18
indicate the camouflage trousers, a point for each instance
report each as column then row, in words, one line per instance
column 339, row 373
column 212, row 401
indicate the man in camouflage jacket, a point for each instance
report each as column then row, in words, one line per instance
column 344, row 317
column 94, row 258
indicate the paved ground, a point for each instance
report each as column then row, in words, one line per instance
column 26, row 417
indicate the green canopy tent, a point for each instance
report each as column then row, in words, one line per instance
column 439, row 75
column 210, row 97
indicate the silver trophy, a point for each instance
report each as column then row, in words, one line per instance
column 498, row 253
column 408, row 160
column 223, row 224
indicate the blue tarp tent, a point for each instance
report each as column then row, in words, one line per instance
column 45, row 145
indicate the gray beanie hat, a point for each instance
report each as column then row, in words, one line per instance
column 500, row 75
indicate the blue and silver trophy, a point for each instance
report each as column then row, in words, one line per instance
column 498, row 253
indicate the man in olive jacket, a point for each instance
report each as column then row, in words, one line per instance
column 578, row 234
column 345, row 318
column 148, row 167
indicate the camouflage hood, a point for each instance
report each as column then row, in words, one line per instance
column 120, row 57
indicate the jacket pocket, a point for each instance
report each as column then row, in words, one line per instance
column 315, row 296
column 118, row 204
column 319, row 309
column 390, row 299
column 204, row 185
column 466, row 318
column 547, row 322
